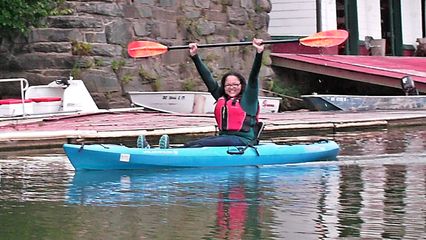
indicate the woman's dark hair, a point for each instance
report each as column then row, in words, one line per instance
column 239, row 76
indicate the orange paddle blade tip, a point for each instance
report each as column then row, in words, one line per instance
column 139, row 49
column 329, row 38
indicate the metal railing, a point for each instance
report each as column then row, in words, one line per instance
column 24, row 86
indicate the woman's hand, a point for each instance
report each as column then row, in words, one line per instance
column 258, row 44
column 193, row 49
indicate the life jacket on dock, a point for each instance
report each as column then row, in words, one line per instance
column 230, row 116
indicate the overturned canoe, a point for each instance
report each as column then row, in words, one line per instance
column 323, row 102
column 110, row 157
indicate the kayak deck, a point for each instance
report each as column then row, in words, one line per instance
column 115, row 157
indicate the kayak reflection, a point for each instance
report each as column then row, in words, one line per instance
column 236, row 196
column 153, row 187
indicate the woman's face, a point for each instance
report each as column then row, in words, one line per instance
column 232, row 86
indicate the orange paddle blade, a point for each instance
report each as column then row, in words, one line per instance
column 325, row 39
column 139, row 49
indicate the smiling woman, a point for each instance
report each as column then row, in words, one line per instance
column 237, row 105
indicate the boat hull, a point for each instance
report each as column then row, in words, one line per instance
column 116, row 157
column 363, row 103
column 54, row 99
column 190, row 102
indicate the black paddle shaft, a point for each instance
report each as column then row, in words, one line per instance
column 231, row 44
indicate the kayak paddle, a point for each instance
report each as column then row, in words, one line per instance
column 331, row 38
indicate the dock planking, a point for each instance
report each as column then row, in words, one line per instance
column 114, row 127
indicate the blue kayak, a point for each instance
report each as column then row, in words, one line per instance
column 117, row 157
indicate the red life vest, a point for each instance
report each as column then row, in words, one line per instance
column 230, row 116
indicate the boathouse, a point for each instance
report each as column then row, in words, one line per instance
column 386, row 43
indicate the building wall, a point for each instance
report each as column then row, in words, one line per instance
column 411, row 21
column 328, row 15
column 369, row 19
column 292, row 18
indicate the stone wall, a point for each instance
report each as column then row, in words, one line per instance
column 90, row 44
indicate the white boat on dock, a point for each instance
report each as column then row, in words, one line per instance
column 188, row 102
column 57, row 98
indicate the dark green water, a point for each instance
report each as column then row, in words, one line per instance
column 376, row 190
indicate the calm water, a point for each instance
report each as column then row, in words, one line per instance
column 376, row 189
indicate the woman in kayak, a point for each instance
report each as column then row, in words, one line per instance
column 237, row 105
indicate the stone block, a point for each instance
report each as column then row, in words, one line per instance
column 95, row 37
column 133, row 84
column 167, row 3
column 144, row 11
column 161, row 14
column 192, row 13
column 119, row 32
column 106, row 9
column 265, row 5
column 51, row 47
column 236, row 16
column 54, row 35
column 130, row 11
column 83, row 62
column 107, row 50
column 142, row 28
column 74, row 22
column 43, row 61
column 148, row 2
column 100, row 80
column 54, row 74
column 260, row 20
column 168, row 29
column 216, row 16
column 247, row 4
column 205, row 27
column 175, row 57
column 202, row 3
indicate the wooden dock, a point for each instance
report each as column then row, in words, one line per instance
column 117, row 127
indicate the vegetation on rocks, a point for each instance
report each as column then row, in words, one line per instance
column 81, row 48
column 20, row 15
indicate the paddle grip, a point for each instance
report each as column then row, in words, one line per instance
column 231, row 44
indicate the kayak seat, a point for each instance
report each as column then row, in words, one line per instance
column 258, row 129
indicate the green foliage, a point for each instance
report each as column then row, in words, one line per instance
column 76, row 71
column 99, row 62
column 81, row 48
column 19, row 15
column 277, row 87
column 149, row 77
column 190, row 26
column 61, row 10
column 126, row 79
column 266, row 58
column 117, row 64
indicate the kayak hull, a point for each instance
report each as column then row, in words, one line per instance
column 118, row 157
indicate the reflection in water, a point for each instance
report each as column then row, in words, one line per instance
column 350, row 189
column 372, row 213
column 376, row 190
column 363, row 143
column 233, row 196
